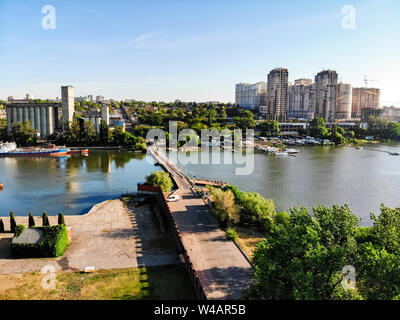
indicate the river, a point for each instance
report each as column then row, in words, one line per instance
column 317, row 175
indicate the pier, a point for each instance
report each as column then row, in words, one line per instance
column 217, row 267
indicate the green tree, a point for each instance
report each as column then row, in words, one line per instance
column 1, row 226
column 256, row 210
column 303, row 258
column 224, row 207
column 45, row 220
column 61, row 219
column 318, row 128
column 31, row 221
column 269, row 128
column 13, row 223
column 160, row 179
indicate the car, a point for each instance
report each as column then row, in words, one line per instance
column 173, row 198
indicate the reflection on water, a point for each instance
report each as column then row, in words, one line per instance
column 71, row 185
column 364, row 179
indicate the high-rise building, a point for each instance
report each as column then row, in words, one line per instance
column 344, row 101
column 99, row 99
column 301, row 99
column 277, row 96
column 250, row 96
column 325, row 94
column 68, row 103
column 29, row 96
column 365, row 98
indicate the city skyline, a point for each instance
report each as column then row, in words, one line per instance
column 142, row 56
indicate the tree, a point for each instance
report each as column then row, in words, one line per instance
column 24, row 134
column 13, row 224
column 303, row 258
column 245, row 123
column 31, row 220
column 269, row 128
column 104, row 135
column 318, row 128
column 256, row 210
column 224, row 207
column 45, row 220
column 1, row 226
column 61, row 220
column 160, row 179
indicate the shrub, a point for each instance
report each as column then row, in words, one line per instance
column 53, row 244
column 224, row 207
column 13, row 224
column 231, row 234
column 31, row 220
column 160, row 179
column 1, row 226
column 45, row 220
column 61, row 219
column 19, row 229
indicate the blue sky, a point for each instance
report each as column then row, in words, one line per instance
column 192, row 50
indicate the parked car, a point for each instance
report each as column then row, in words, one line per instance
column 173, row 198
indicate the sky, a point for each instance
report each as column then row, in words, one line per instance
column 193, row 50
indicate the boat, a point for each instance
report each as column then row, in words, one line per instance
column 394, row 154
column 292, row 151
column 78, row 151
column 47, row 151
column 281, row 154
column 7, row 147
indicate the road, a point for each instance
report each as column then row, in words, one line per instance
column 223, row 270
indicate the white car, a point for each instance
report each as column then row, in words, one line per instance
column 173, row 198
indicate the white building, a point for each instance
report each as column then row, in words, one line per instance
column 99, row 99
column 344, row 101
column 29, row 96
column 277, row 98
column 250, row 96
column 301, row 101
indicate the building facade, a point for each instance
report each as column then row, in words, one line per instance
column 301, row 100
column 43, row 117
column 250, row 96
column 344, row 101
column 67, row 103
column 277, row 94
column 325, row 94
column 365, row 98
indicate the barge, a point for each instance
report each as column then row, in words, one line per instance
column 11, row 150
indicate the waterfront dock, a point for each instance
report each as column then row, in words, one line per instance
column 220, row 267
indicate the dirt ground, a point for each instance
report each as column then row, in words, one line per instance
column 114, row 234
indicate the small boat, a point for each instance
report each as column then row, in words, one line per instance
column 394, row 154
column 78, row 151
column 281, row 154
column 292, row 151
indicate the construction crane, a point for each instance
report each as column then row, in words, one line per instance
column 366, row 80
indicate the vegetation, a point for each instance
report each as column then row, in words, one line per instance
column 45, row 220
column 224, row 207
column 303, row 255
column 53, row 244
column 231, row 234
column 13, row 223
column 160, row 179
column 1, row 226
column 31, row 220
column 383, row 129
column 115, row 284
column 61, row 220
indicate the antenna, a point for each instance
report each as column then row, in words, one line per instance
column 366, row 80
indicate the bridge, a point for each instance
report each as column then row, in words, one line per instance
column 212, row 183
column 219, row 267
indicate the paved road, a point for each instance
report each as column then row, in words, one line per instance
column 224, row 271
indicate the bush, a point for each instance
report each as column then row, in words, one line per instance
column 52, row 245
column 224, row 207
column 31, row 220
column 231, row 234
column 1, row 226
column 160, row 179
column 45, row 220
column 13, row 224
column 19, row 229
column 61, row 220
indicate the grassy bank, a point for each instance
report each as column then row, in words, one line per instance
column 115, row 284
